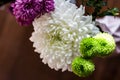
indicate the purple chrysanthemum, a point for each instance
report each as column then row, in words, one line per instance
column 49, row 5
column 26, row 10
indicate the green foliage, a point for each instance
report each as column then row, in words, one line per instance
column 97, row 5
column 113, row 11
column 82, row 67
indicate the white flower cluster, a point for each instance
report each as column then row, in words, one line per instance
column 57, row 35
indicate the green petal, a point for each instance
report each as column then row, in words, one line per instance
column 107, row 44
column 89, row 47
column 82, row 67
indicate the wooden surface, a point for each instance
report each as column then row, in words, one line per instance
column 18, row 61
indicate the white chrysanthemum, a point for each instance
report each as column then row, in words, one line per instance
column 57, row 35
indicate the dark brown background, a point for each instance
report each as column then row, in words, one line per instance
column 18, row 61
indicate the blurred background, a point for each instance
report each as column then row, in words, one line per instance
column 18, row 61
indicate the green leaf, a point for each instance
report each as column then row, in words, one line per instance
column 112, row 12
column 90, row 3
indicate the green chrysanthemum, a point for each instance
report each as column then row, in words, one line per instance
column 107, row 44
column 82, row 67
column 89, row 47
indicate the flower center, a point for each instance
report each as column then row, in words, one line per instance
column 56, row 37
column 28, row 5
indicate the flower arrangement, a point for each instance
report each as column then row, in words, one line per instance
column 64, row 37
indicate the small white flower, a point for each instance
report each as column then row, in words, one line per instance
column 57, row 35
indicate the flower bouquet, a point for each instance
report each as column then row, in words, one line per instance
column 64, row 36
